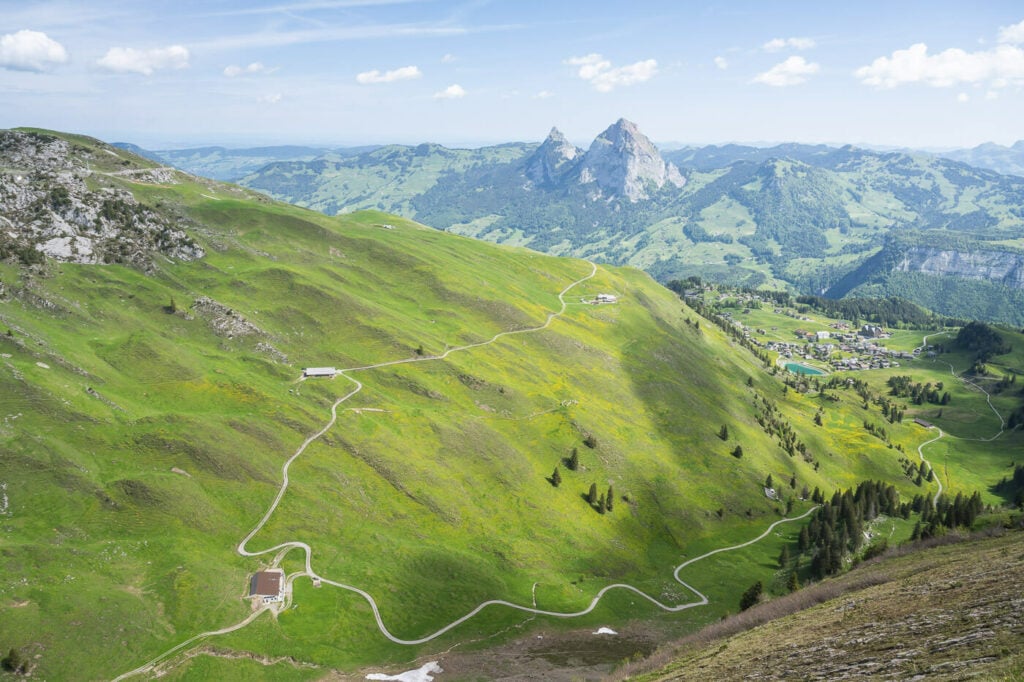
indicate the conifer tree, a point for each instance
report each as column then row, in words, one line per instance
column 768, row 482
column 592, row 495
column 793, row 583
column 751, row 596
column 574, row 460
column 723, row 432
column 784, row 556
column 738, row 452
column 556, row 478
column 609, row 498
column 601, row 505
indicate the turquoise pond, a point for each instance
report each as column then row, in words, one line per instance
column 803, row 369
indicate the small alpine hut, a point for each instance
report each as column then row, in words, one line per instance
column 268, row 586
column 319, row 372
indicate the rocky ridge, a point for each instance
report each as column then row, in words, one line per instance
column 51, row 206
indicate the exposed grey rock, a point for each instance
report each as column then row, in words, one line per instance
column 552, row 160
column 996, row 266
column 622, row 161
column 48, row 208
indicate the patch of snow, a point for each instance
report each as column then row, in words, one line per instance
column 605, row 631
column 43, row 365
column 424, row 674
column 770, row 494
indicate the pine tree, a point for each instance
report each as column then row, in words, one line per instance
column 738, row 452
column 784, row 556
column 793, row 583
column 804, row 543
column 817, row 418
column 609, row 499
column 768, row 482
column 601, row 507
column 792, row 481
column 556, row 478
column 574, row 460
column 751, row 596
column 723, row 432
column 592, row 495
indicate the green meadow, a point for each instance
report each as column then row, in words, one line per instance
column 143, row 437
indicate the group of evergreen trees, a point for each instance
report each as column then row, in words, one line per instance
column 1013, row 488
column 903, row 386
column 837, row 527
column 983, row 340
column 603, row 503
column 960, row 511
column 776, row 426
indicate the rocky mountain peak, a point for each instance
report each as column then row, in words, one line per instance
column 622, row 161
column 552, row 160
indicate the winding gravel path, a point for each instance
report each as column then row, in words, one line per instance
column 284, row 547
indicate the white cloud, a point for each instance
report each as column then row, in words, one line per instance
column 776, row 44
column 255, row 67
column 722, row 63
column 962, row 97
column 30, row 51
column 992, row 94
column 793, row 71
column 130, row 60
column 599, row 73
column 402, row 74
column 544, row 94
column 451, row 92
column 1001, row 64
column 272, row 98
column 1013, row 34
column 448, row 58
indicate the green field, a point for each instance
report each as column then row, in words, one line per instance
column 144, row 436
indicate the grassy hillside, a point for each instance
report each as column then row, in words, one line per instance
column 943, row 613
column 145, row 418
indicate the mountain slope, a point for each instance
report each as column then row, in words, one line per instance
column 901, row 617
column 148, row 411
column 801, row 215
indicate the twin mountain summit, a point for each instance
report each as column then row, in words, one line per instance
column 833, row 221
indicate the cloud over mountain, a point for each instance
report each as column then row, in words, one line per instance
column 376, row 76
column 30, row 51
column 599, row 72
column 130, row 60
column 793, row 71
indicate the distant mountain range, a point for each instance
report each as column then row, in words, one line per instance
column 221, row 163
column 820, row 219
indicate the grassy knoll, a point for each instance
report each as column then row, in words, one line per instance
column 145, row 417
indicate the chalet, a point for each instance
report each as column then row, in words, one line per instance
column 268, row 586
column 319, row 372
column 921, row 422
column 607, row 298
column 821, row 336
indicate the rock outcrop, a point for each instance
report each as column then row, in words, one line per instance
column 553, row 159
column 622, row 161
column 47, row 208
column 995, row 266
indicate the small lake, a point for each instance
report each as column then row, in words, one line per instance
column 797, row 368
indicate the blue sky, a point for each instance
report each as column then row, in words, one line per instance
column 165, row 74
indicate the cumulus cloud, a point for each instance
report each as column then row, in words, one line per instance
column 793, row 71
column 599, row 72
column 722, row 63
column 1013, row 34
column 1000, row 65
column 455, row 91
column 776, row 44
column 130, row 60
column 402, row 74
column 448, row 58
column 255, row 67
column 30, row 51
